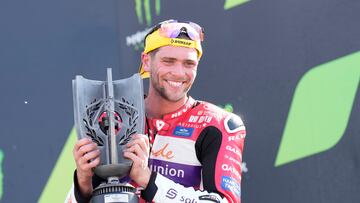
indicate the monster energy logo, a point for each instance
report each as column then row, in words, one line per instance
column 143, row 12
column 136, row 39
column 320, row 110
column 233, row 3
column 145, row 4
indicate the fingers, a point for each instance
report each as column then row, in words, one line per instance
column 87, row 156
column 82, row 142
column 83, row 146
column 86, row 167
column 140, row 160
column 142, row 141
column 138, row 150
column 132, row 156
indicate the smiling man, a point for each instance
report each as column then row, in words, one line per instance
column 173, row 71
column 192, row 150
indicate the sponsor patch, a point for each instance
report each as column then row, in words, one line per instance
column 231, row 158
column 229, row 184
column 171, row 193
column 211, row 198
column 159, row 124
column 183, row 131
column 239, row 136
column 169, row 148
column 181, row 42
column 188, row 105
column 163, row 152
column 200, row 119
column 187, row 199
column 193, row 125
column 231, row 169
column 233, row 124
column 179, row 113
column 233, row 149
column 186, row 175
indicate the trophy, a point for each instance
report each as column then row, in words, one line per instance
column 110, row 113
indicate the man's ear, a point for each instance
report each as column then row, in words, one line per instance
column 145, row 59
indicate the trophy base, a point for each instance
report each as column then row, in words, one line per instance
column 114, row 193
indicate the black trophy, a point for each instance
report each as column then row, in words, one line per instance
column 110, row 113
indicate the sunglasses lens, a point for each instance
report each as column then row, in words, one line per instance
column 173, row 29
column 199, row 30
column 174, row 34
column 192, row 36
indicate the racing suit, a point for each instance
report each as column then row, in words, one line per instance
column 196, row 155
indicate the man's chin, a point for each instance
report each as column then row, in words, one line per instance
column 174, row 98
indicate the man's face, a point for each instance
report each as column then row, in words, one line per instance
column 172, row 72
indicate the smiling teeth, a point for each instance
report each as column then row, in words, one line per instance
column 175, row 84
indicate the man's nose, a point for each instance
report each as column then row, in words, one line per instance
column 178, row 70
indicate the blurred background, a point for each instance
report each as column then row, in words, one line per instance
column 290, row 69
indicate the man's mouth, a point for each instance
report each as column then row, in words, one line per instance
column 174, row 83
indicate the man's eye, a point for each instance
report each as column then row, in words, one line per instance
column 168, row 61
column 190, row 64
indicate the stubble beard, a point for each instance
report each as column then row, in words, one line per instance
column 162, row 92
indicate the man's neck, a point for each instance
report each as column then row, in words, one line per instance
column 157, row 107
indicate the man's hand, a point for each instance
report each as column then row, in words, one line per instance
column 87, row 156
column 138, row 150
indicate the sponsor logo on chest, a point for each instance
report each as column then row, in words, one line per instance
column 163, row 152
column 192, row 125
column 183, row 131
column 200, row 119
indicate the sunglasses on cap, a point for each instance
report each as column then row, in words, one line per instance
column 173, row 28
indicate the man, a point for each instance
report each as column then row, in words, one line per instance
column 192, row 148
